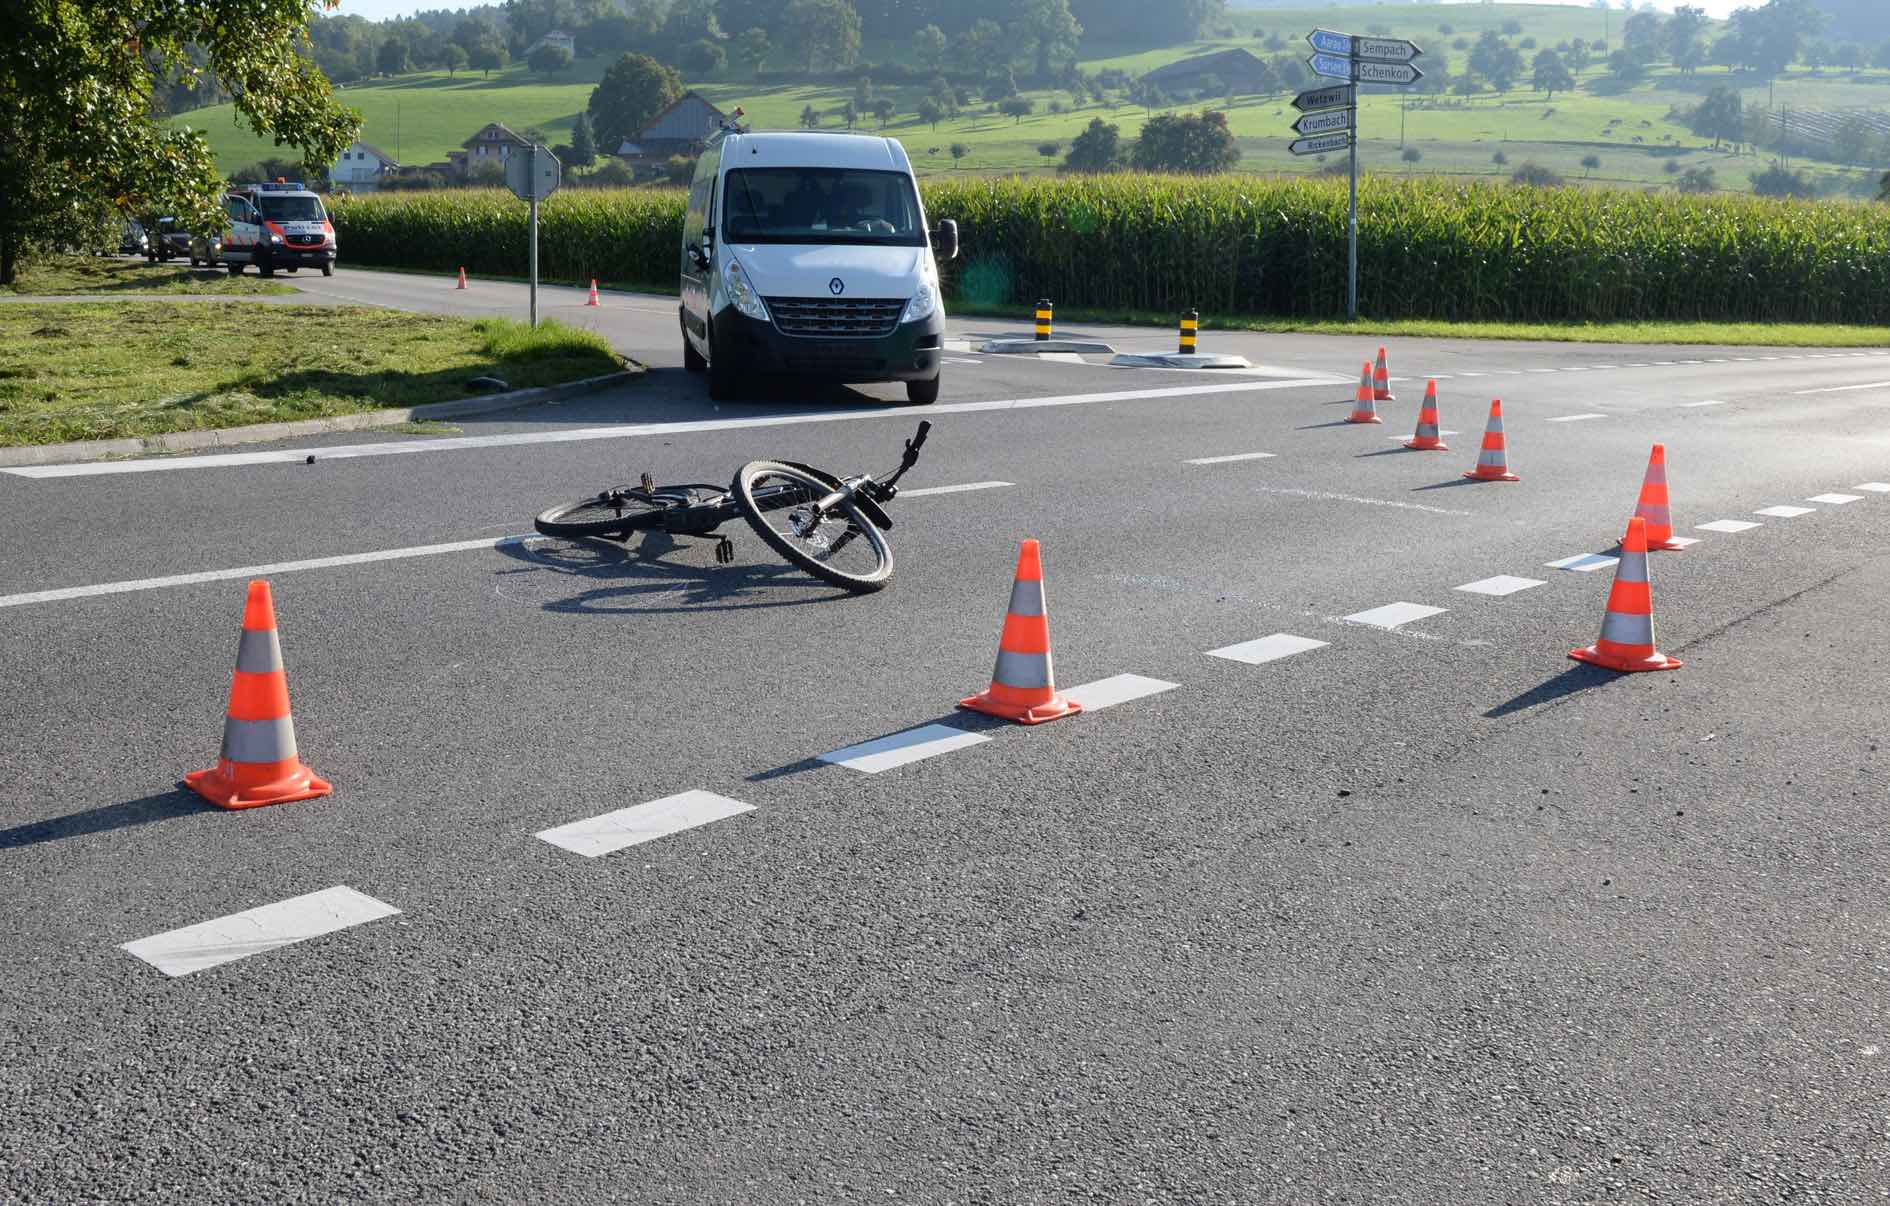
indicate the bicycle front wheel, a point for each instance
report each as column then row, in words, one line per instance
column 842, row 546
column 612, row 513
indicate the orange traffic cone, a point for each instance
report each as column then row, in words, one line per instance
column 258, row 764
column 1365, row 409
column 1493, row 461
column 462, row 279
column 1022, row 687
column 1627, row 630
column 1425, row 439
column 1653, row 504
column 593, row 300
column 1381, row 379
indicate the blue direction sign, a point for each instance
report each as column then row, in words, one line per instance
column 1331, row 43
column 1331, row 66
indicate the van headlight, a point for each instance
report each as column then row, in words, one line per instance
column 741, row 293
column 923, row 303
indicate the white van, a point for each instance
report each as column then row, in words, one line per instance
column 809, row 254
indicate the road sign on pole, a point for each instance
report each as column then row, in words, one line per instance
column 1384, row 50
column 1331, row 43
column 1332, row 66
column 1333, row 96
column 1323, row 144
column 1326, row 122
column 532, row 174
column 1385, row 73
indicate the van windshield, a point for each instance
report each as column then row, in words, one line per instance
column 820, row 205
column 287, row 207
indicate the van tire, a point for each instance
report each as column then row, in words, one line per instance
column 328, row 270
column 692, row 360
column 924, row 393
column 721, row 375
column 235, row 267
column 264, row 265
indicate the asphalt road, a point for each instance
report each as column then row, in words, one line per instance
column 1421, row 914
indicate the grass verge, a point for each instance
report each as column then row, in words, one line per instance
column 1720, row 334
column 78, row 274
column 83, row 371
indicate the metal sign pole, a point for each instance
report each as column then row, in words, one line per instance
column 534, row 261
column 1351, row 260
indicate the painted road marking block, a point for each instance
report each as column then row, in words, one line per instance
column 1267, row 649
column 1728, row 525
column 613, row 831
column 1836, row 500
column 1785, row 512
column 1873, row 487
column 1402, row 438
column 1120, row 688
column 1688, row 405
column 1502, row 584
column 1683, row 541
column 1575, row 418
column 922, row 491
column 1584, row 563
column 1222, row 460
column 913, row 745
column 1391, row 615
column 253, row 931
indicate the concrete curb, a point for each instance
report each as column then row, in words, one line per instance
column 257, row 433
column 1031, row 347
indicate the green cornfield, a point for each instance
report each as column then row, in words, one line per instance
column 1246, row 246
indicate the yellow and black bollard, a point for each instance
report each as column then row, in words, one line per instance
column 1190, row 323
column 1043, row 319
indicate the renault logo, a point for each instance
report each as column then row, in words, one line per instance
column 836, row 286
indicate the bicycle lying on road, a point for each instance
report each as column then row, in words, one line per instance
column 832, row 527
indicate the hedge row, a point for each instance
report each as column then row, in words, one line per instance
column 1244, row 245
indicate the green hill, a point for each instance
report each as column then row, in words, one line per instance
column 1631, row 133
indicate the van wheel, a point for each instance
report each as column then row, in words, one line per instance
column 328, row 270
column 235, row 267
column 923, row 393
column 691, row 359
column 264, row 266
column 721, row 375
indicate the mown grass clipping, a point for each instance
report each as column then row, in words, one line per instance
column 1428, row 249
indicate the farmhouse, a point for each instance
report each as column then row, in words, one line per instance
column 557, row 38
column 361, row 167
column 493, row 144
column 1226, row 70
column 681, row 129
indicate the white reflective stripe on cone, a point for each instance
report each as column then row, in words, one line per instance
column 1027, row 597
column 1621, row 628
column 258, row 652
column 1022, row 670
column 258, row 740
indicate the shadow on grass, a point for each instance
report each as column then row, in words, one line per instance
column 178, row 802
column 398, row 387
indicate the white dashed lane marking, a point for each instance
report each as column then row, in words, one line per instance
column 1392, row 615
column 913, row 745
column 1502, row 584
column 1120, row 688
column 1689, row 405
column 1785, row 512
column 1441, row 431
column 1873, row 487
column 1728, row 525
column 1836, row 500
column 1267, row 649
column 253, row 931
column 1574, row 418
column 1223, row 460
column 1584, row 563
column 1841, row 389
column 1681, row 542
column 922, row 491
column 641, row 823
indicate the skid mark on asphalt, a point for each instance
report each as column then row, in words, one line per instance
column 253, row 931
column 1117, row 689
column 1393, row 615
column 913, row 745
column 641, row 823
column 1329, row 496
column 1267, row 649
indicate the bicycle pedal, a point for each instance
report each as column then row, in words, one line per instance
column 724, row 551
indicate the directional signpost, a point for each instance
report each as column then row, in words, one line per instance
column 1330, row 113
column 532, row 175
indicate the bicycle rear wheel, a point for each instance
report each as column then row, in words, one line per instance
column 842, row 547
column 612, row 513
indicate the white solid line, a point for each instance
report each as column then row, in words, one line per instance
column 1120, row 688
column 1842, row 389
column 1391, row 615
column 1061, row 357
column 253, row 931
column 626, row 431
column 1873, row 487
column 1500, row 585
column 1785, row 512
column 1440, row 431
column 1680, row 542
column 1574, row 418
column 1267, row 649
column 884, row 753
column 1584, row 563
column 1473, row 374
column 641, row 823
column 1836, row 500
column 1575, row 368
column 1328, row 496
column 922, row 491
column 1715, row 402
column 1541, row 370
column 1728, row 525
column 256, row 571
column 1223, row 460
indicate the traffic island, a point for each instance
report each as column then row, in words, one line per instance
column 1033, row 347
column 1179, row 360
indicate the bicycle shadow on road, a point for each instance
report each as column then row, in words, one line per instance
column 163, row 806
column 640, row 580
column 1579, row 677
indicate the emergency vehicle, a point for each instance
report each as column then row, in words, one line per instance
column 278, row 224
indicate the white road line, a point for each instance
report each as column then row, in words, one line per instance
column 1642, row 364
column 1441, row 431
column 1584, row 563
column 1604, row 366
column 1842, row 389
column 1575, row 368
column 1665, row 363
column 913, row 745
column 1873, row 487
column 1785, row 512
column 1836, row 500
column 922, row 491
column 1267, row 649
column 1681, row 542
column 626, row 431
column 1728, row 525
column 641, row 823
column 1328, row 496
column 1061, row 357
column 1391, row 615
column 1541, row 370
column 1501, row 584
column 1120, row 688
column 1473, row 374
column 253, row 931
column 1574, row 418
column 1223, row 460
column 1689, row 405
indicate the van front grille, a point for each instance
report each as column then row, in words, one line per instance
column 836, row 317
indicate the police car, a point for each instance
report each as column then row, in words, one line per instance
column 279, row 224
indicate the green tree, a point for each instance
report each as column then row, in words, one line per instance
column 930, row 111
column 77, row 128
column 849, row 113
column 1496, row 61
column 1720, row 117
column 1782, row 182
column 1641, row 36
column 391, row 58
column 703, row 57
column 1017, row 108
column 1097, row 149
column 752, row 48
column 1050, row 32
column 823, row 31
column 1552, row 74
column 583, row 142
column 548, row 59
column 959, row 151
column 980, row 45
column 929, row 46
column 1851, row 141
column 1590, row 163
column 1626, row 68
column 1696, row 180
column 863, row 93
column 489, row 55
column 883, row 110
column 635, row 89
column 810, row 118
column 1683, row 35
column 1198, row 143
column 454, row 58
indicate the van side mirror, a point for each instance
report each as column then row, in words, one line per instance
column 945, row 240
column 697, row 255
